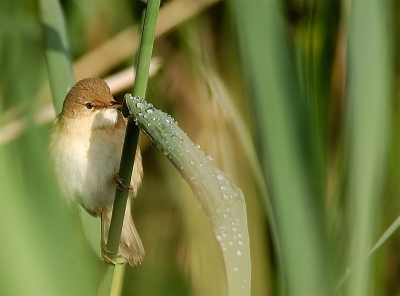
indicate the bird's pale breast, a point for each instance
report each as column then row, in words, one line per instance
column 86, row 158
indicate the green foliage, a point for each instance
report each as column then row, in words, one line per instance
column 281, row 115
column 295, row 100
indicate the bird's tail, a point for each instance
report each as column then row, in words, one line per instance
column 130, row 245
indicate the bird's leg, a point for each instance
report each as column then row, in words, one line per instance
column 105, row 252
column 120, row 182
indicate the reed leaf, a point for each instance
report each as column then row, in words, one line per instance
column 222, row 201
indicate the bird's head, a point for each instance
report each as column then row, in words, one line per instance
column 91, row 99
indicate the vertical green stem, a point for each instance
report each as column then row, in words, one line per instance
column 132, row 132
column 146, row 48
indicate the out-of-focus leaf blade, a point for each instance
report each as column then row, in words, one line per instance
column 367, row 122
column 57, row 51
column 282, row 134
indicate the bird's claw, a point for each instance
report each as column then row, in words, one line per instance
column 120, row 183
column 105, row 255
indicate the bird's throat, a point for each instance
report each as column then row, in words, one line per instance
column 104, row 118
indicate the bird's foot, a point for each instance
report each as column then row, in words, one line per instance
column 105, row 255
column 120, row 183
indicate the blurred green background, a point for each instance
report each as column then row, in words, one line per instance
column 298, row 101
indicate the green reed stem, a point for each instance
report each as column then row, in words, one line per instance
column 132, row 132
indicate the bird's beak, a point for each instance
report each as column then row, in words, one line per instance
column 114, row 104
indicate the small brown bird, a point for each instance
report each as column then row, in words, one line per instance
column 86, row 146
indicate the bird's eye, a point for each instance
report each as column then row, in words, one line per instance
column 89, row 105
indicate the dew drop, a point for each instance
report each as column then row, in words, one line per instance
column 235, row 269
column 239, row 253
column 225, row 196
column 139, row 105
column 149, row 111
column 220, row 177
column 240, row 242
column 219, row 238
